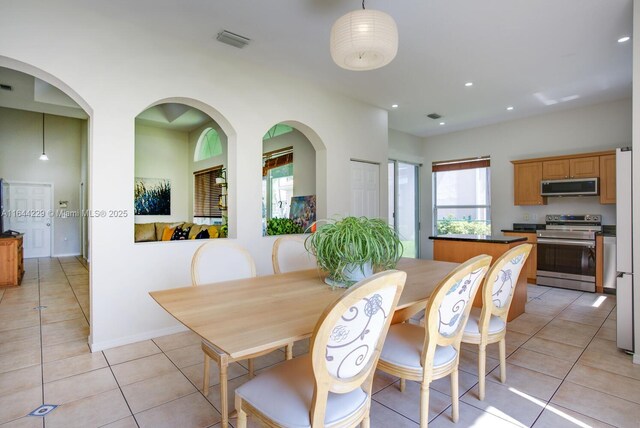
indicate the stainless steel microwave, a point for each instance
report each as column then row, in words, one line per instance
column 572, row 187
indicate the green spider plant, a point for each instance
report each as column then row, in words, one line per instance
column 354, row 241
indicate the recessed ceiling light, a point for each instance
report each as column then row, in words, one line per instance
column 442, row 123
column 624, row 39
column 468, row 84
column 394, row 106
column 510, row 108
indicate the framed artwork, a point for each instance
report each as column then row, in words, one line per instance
column 152, row 196
column 303, row 210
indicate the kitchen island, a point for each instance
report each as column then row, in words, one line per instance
column 460, row 248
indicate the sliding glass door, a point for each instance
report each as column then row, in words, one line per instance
column 403, row 205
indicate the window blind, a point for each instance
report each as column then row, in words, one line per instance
column 276, row 158
column 455, row 165
column 206, row 193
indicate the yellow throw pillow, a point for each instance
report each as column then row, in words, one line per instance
column 167, row 233
column 213, row 232
column 145, row 232
column 195, row 229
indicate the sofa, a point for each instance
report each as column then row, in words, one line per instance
column 159, row 231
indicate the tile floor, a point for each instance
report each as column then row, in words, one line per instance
column 563, row 367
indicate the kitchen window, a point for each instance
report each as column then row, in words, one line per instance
column 462, row 197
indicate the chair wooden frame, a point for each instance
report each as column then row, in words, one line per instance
column 276, row 246
column 210, row 351
column 324, row 381
column 427, row 373
column 489, row 309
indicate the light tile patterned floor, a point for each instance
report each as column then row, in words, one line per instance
column 563, row 367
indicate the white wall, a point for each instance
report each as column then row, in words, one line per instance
column 405, row 147
column 304, row 160
column 20, row 147
column 115, row 71
column 598, row 127
column 164, row 153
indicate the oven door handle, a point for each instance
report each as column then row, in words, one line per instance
column 572, row 242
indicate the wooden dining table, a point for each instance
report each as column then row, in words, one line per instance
column 248, row 316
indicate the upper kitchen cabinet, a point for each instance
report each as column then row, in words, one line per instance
column 555, row 169
column 526, row 190
column 578, row 167
column 608, row 179
column 528, row 173
column 584, row 167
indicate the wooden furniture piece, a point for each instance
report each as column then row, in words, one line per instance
column 527, row 177
column 11, row 260
column 211, row 262
column 489, row 324
column 248, row 316
column 528, row 173
column 289, row 254
column 608, row 179
column 574, row 167
column 332, row 385
column 459, row 248
column 430, row 352
column 531, row 266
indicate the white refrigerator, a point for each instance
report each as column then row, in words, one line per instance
column 624, row 256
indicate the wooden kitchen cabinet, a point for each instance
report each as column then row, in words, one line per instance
column 578, row 167
column 555, row 169
column 531, row 266
column 608, row 179
column 526, row 190
column 11, row 261
column 584, row 167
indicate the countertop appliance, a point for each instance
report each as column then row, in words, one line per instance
column 624, row 250
column 570, row 187
column 567, row 251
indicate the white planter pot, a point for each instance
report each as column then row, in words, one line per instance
column 354, row 273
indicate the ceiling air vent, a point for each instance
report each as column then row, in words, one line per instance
column 434, row 116
column 6, row 87
column 232, row 39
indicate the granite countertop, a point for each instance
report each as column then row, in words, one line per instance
column 494, row 239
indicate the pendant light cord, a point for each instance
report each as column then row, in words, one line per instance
column 43, row 133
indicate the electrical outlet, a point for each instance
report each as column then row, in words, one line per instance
column 525, row 217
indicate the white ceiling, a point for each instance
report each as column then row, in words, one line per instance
column 538, row 56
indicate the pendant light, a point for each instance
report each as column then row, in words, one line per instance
column 364, row 40
column 43, row 156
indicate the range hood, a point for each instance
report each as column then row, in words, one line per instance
column 571, row 187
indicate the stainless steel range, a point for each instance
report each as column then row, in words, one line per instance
column 567, row 251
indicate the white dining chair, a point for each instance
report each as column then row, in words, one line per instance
column 289, row 255
column 489, row 324
column 217, row 261
column 332, row 385
column 430, row 352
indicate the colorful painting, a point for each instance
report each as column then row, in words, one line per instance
column 303, row 211
column 152, row 196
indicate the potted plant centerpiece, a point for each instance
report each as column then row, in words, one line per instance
column 353, row 248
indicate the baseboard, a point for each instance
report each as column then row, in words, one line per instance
column 108, row 344
column 636, row 358
column 66, row 255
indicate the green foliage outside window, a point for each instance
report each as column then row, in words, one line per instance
column 453, row 226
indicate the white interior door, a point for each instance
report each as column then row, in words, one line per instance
column 30, row 213
column 365, row 189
